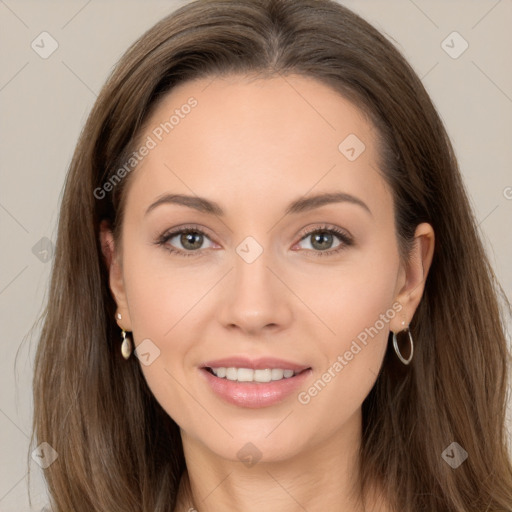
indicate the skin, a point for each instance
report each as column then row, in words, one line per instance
column 254, row 146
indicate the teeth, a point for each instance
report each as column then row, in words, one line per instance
column 250, row 375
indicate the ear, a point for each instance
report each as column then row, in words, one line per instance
column 414, row 275
column 112, row 261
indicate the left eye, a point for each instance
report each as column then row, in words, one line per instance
column 322, row 240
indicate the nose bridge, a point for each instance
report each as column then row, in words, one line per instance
column 252, row 277
column 254, row 298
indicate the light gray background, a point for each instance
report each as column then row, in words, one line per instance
column 44, row 103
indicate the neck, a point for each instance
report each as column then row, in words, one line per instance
column 327, row 473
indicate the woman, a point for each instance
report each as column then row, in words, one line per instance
column 268, row 288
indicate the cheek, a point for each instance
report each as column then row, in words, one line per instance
column 162, row 301
column 352, row 296
column 358, row 317
column 159, row 293
column 358, row 306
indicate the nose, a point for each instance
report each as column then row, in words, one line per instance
column 256, row 299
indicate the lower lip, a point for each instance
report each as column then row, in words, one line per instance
column 255, row 394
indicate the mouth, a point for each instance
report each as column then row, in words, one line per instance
column 254, row 384
column 262, row 375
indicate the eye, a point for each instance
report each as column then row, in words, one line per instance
column 190, row 238
column 322, row 239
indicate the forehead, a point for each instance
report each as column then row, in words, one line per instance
column 284, row 109
column 250, row 136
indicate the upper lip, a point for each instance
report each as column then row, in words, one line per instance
column 260, row 363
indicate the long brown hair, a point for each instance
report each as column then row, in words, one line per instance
column 118, row 449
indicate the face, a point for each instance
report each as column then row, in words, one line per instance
column 250, row 271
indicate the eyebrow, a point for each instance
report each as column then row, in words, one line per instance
column 298, row 206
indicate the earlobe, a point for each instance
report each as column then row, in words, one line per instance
column 116, row 281
column 416, row 271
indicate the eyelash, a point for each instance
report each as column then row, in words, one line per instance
column 346, row 240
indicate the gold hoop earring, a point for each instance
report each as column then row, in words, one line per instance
column 397, row 350
column 126, row 345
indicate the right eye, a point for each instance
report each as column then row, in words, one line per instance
column 191, row 240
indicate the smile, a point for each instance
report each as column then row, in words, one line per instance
column 254, row 388
column 250, row 375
